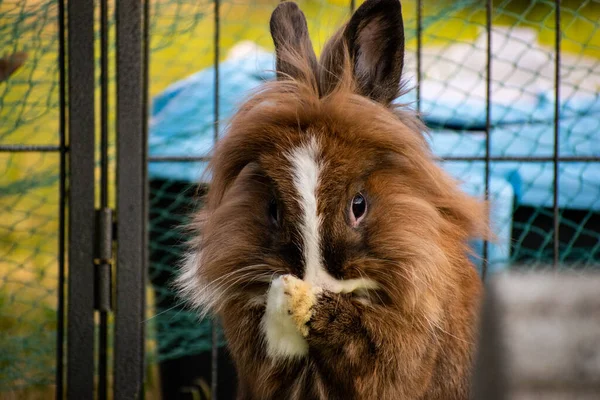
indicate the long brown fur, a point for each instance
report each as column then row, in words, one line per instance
column 414, row 337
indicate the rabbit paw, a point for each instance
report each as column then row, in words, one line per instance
column 301, row 297
column 293, row 297
column 288, row 310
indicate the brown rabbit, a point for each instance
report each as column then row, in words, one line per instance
column 332, row 246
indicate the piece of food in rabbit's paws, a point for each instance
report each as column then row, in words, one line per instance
column 301, row 298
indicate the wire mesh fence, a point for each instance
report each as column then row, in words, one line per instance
column 28, row 273
column 507, row 134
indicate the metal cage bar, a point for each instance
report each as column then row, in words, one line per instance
column 103, row 268
column 555, row 160
column 145, row 180
column 80, row 314
column 488, row 122
column 26, row 148
column 419, row 52
column 452, row 158
column 214, row 359
column 62, row 127
column 131, row 197
column 179, row 158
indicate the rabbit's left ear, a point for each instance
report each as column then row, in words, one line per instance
column 294, row 51
column 374, row 40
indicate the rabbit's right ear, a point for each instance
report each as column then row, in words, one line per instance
column 296, row 57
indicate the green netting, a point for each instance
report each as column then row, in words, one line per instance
column 181, row 34
column 28, row 270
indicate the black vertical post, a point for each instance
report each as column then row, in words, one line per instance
column 80, row 315
column 488, row 96
column 104, row 80
column 145, row 119
column 214, row 333
column 352, row 6
column 555, row 156
column 131, row 198
column 216, row 45
column 62, row 122
column 103, row 268
column 419, row 52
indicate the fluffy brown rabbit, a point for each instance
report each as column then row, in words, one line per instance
column 332, row 246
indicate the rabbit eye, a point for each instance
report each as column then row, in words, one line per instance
column 274, row 212
column 358, row 209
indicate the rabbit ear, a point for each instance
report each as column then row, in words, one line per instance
column 295, row 54
column 374, row 40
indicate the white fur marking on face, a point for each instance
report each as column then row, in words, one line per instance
column 306, row 171
column 306, row 174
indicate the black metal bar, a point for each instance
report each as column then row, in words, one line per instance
column 80, row 314
column 104, row 80
column 419, row 52
column 556, row 159
column 523, row 159
column 488, row 95
column 216, row 68
column 178, row 158
column 103, row 270
column 62, row 127
column 352, row 6
column 477, row 128
column 146, row 182
column 23, row 148
column 451, row 158
column 130, row 262
column 214, row 367
column 214, row 338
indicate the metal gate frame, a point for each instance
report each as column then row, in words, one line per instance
column 86, row 234
column 92, row 233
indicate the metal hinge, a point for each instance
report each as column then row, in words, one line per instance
column 104, row 259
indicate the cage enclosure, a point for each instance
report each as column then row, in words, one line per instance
column 108, row 114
